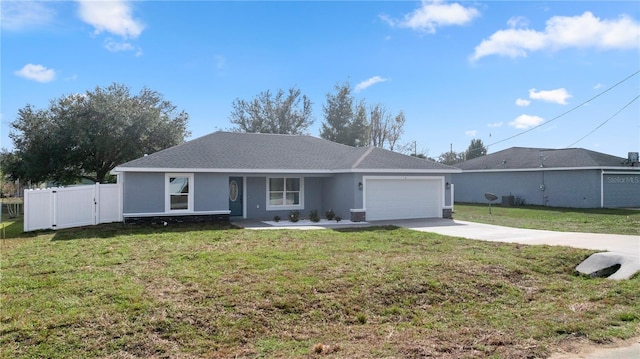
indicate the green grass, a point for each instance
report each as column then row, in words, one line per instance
column 612, row 221
column 208, row 291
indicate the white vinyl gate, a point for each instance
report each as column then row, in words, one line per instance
column 65, row 207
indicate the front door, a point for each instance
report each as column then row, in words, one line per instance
column 235, row 196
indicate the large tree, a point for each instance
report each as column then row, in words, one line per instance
column 344, row 120
column 476, row 149
column 379, row 125
column 451, row 157
column 283, row 113
column 360, row 125
column 338, row 115
column 396, row 129
column 87, row 135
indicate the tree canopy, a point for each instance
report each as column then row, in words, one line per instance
column 346, row 121
column 87, row 135
column 451, row 158
column 283, row 113
column 476, row 149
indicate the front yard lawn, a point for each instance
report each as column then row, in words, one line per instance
column 205, row 291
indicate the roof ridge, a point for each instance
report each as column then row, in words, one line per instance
column 363, row 156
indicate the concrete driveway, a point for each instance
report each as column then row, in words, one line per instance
column 625, row 244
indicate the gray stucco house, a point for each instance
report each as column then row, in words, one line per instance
column 259, row 176
column 572, row 177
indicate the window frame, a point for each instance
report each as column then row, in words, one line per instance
column 270, row 207
column 168, row 193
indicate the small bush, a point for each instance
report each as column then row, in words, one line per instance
column 276, row 218
column 338, row 218
column 313, row 216
column 330, row 215
column 294, row 216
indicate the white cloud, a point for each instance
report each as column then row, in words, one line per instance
column 22, row 15
column 522, row 102
column 495, row 124
column 471, row 133
column 111, row 16
column 597, row 86
column 526, row 121
column 37, row 73
column 433, row 14
column 115, row 46
column 558, row 96
column 518, row 21
column 583, row 31
column 369, row 82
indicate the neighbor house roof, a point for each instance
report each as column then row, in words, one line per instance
column 256, row 152
column 521, row 158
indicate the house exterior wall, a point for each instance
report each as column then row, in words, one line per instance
column 575, row 189
column 143, row 192
column 621, row 189
column 211, row 192
column 257, row 197
column 340, row 194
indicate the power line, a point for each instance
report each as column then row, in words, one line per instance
column 607, row 120
column 568, row 111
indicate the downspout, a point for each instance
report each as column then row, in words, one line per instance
column 602, row 188
column 543, row 187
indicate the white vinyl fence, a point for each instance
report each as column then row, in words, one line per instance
column 65, row 207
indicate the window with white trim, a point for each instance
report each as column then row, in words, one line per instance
column 179, row 192
column 285, row 193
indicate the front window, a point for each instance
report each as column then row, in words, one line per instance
column 179, row 192
column 284, row 193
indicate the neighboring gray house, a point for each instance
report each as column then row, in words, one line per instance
column 573, row 177
column 259, row 176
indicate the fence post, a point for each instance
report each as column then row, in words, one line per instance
column 54, row 201
column 96, row 200
column 25, row 222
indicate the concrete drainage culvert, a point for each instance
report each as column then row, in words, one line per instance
column 610, row 265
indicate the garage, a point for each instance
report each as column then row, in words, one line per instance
column 403, row 197
column 620, row 190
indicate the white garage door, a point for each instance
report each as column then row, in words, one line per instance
column 403, row 198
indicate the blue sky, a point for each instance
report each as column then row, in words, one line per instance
column 492, row 70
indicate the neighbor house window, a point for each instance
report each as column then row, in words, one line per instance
column 284, row 193
column 179, row 192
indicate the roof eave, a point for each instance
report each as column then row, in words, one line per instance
column 280, row 170
column 604, row 168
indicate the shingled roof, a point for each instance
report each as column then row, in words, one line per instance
column 519, row 158
column 232, row 151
